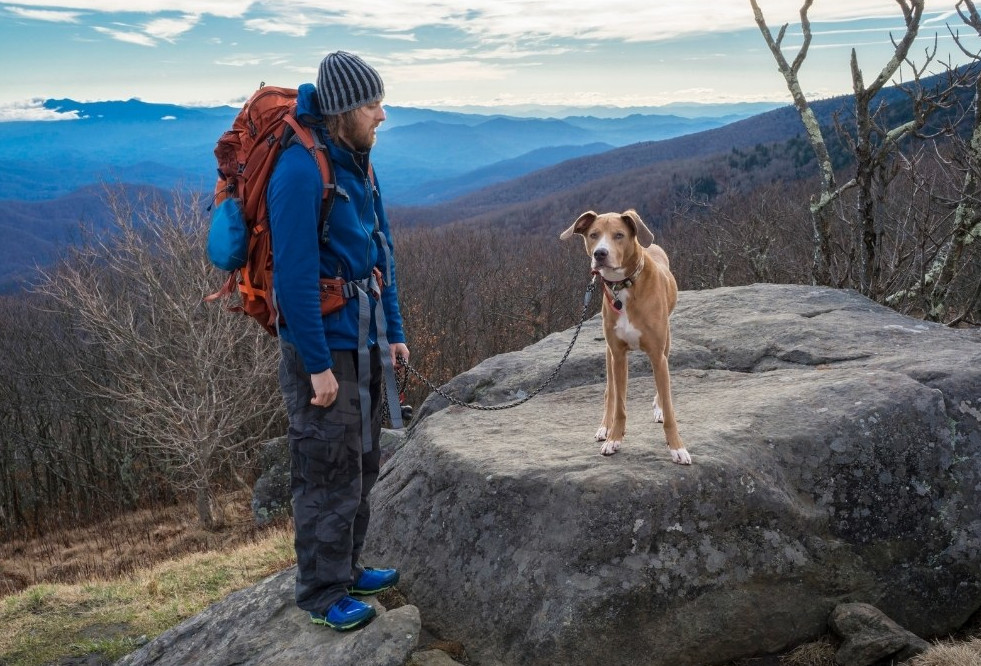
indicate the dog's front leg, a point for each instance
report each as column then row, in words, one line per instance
column 662, row 381
column 615, row 419
column 608, row 398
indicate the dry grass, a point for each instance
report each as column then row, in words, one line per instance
column 942, row 653
column 115, row 599
column 818, row 653
column 950, row 653
column 119, row 546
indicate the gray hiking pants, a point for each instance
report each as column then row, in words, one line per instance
column 331, row 477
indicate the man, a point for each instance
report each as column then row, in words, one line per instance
column 331, row 367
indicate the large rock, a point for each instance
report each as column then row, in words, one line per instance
column 261, row 626
column 837, row 450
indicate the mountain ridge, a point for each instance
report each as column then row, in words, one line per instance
column 100, row 136
column 520, row 187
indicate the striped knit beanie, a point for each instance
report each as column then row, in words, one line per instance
column 346, row 82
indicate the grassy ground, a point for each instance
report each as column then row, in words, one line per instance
column 109, row 588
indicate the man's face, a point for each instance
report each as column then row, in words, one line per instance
column 358, row 128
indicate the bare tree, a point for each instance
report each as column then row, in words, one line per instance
column 192, row 384
column 868, row 252
column 820, row 211
column 872, row 144
column 954, row 253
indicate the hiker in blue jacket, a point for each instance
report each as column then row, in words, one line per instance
column 331, row 368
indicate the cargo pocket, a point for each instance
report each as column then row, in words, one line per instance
column 324, row 455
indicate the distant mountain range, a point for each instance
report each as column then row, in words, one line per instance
column 167, row 145
column 436, row 167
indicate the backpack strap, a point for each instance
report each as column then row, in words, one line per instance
column 386, row 251
column 299, row 133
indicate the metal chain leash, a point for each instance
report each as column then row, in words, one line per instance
column 469, row 405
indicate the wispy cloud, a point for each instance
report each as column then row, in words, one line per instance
column 942, row 17
column 48, row 15
column 32, row 110
column 491, row 20
column 169, row 29
column 448, row 72
column 478, row 49
column 152, row 32
column 285, row 26
column 253, row 60
column 223, row 8
column 127, row 35
column 624, row 20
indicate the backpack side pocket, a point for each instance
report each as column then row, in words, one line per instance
column 228, row 236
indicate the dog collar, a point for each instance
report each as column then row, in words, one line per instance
column 611, row 289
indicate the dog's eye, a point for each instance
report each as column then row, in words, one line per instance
column 619, row 235
column 594, row 235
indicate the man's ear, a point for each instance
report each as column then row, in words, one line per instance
column 644, row 235
column 580, row 225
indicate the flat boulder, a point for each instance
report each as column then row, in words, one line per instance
column 837, row 458
column 261, row 626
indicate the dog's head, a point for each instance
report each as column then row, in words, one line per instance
column 611, row 238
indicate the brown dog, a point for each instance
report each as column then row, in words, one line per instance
column 639, row 295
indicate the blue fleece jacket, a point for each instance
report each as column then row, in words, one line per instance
column 294, row 197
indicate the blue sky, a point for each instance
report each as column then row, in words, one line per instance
column 442, row 53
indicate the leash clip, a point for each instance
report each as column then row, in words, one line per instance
column 588, row 296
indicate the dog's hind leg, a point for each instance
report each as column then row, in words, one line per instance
column 658, row 412
column 662, row 381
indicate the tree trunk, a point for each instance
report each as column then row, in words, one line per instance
column 210, row 512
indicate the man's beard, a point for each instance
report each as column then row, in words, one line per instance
column 361, row 140
column 366, row 141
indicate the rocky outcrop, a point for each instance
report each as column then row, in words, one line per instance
column 261, row 626
column 837, row 450
column 868, row 636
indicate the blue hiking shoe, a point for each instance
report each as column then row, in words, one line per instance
column 373, row 581
column 345, row 614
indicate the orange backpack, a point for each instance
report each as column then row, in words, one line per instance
column 246, row 156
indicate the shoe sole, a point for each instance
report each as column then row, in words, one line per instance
column 368, row 593
column 342, row 627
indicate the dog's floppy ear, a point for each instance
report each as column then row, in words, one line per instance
column 644, row 235
column 580, row 225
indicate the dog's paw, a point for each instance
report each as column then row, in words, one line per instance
column 610, row 447
column 681, row 456
column 601, row 434
column 658, row 413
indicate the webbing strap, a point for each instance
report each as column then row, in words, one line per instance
column 364, row 368
column 391, row 387
column 383, row 244
column 364, row 359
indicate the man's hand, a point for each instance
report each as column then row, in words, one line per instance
column 324, row 388
column 398, row 349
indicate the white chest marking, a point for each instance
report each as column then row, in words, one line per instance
column 623, row 328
